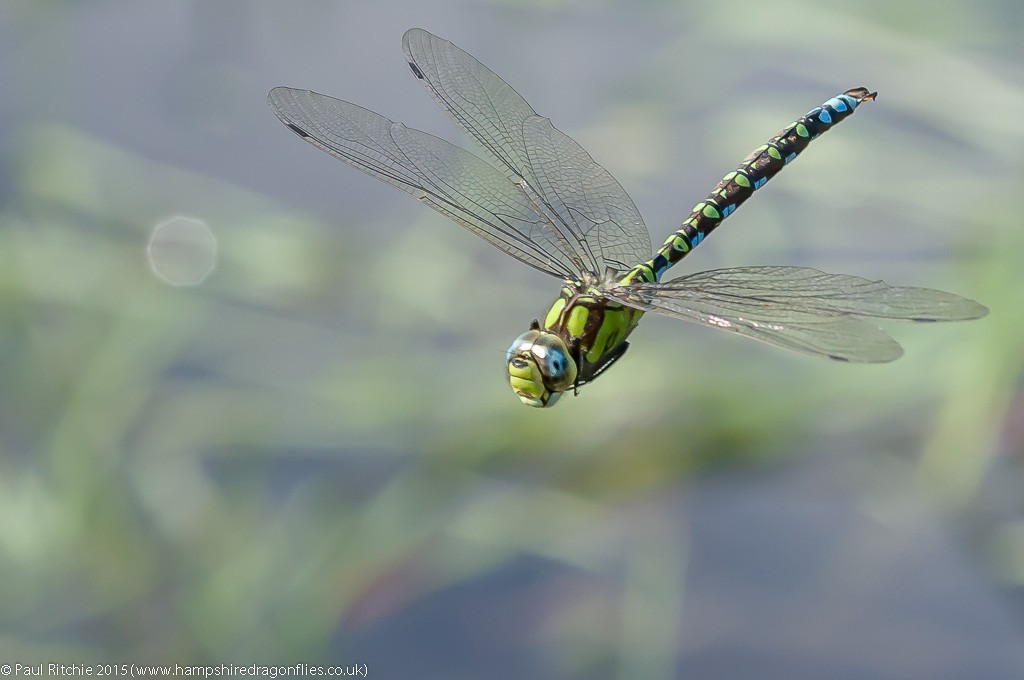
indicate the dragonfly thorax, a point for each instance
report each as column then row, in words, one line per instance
column 540, row 367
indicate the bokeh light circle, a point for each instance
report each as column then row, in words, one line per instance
column 182, row 251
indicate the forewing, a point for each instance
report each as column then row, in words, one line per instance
column 814, row 293
column 476, row 98
column 800, row 308
column 451, row 180
column 506, row 126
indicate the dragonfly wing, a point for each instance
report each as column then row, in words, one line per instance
column 800, row 308
column 582, row 193
column 476, row 98
column 451, row 180
column 803, row 293
column 810, row 292
column 524, row 146
column 841, row 338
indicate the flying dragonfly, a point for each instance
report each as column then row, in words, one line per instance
column 541, row 198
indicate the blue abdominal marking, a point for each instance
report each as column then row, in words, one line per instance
column 838, row 104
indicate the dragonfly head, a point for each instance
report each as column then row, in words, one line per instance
column 540, row 367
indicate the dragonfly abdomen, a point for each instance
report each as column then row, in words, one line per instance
column 756, row 169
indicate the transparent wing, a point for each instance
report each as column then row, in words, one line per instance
column 800, row 308
column 599, row 220
column 451, row 180
column 580, row 192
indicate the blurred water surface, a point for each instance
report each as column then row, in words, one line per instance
column 311, row 455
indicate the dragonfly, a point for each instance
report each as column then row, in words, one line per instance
column 539, row 197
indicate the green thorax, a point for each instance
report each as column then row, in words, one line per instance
column 602, row 325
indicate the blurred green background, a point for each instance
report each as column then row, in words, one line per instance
column 312, row 456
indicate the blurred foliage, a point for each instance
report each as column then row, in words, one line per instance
column 318, row 437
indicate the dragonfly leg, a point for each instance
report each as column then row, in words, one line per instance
column 576, row 351
column 597, row 369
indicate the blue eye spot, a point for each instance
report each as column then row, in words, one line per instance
column 556, row 363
